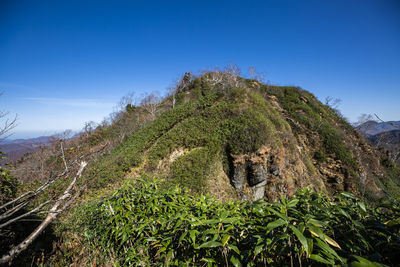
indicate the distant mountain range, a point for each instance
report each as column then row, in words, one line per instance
column 385, row 135
column 15, row 149
column 373, row 127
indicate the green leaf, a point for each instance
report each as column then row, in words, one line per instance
column 324, row 246
column 234, row 248
column 225, row 239
column 300, row 236
column 209, row 260
column 275, row 224
column 161, row 250
column 316, row 231
column 318, row 258
column 277, row 213
column 393, row 222
column 258, row 249
column 348, row 195
column 192, row 234
column 362, row 206
column 315, row 222
column 235, row 261
column 292, row 203
column 182, row 236
column 361, row 262
column 341, row 211
column 210, row 244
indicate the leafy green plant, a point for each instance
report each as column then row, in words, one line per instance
column 145, row 224
column 8, row 184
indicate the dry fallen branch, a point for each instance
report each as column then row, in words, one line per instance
column 10, row 212
column 25, row 214
column 61, row 204
column 26, row 197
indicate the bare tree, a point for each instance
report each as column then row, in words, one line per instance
column 127, row 102
column 334, row 103
column 225, row 79
column 252, row 72
column 8, row 122
column 65, row 135
column 61, row 139
column 216, row 78
column 232, row 76
column 184, row 82
column 363, row 118
column 89, row 127
column 255, row 75
column 151, row 103
column 181, row 84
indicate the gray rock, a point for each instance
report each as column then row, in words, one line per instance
column 276, row 172
column 239, row 176
column 258, row 192
column 363, row 178
column 262, row 184
column 257, row 174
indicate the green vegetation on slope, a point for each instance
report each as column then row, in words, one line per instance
column 210, row 123
column 308, row 111
column 143, row 224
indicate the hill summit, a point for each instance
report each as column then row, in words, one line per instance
column 239, row 138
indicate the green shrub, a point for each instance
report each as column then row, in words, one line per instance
column 308, row 111
column 143, row 224
column 319, row 156
column 192, row 169
column 8, row 186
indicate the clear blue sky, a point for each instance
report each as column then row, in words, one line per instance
column 66, row 62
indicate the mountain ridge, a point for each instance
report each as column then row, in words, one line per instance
column 384, row 135
column 373, row 127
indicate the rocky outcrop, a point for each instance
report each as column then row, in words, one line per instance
column 249, row 173
column 257, row 173
column 239, row 176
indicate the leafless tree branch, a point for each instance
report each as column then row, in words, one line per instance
column 61, row 204
column 33, row 211
column 379, row 119
column 63, row 155
column 151, row 103
column 26, row 197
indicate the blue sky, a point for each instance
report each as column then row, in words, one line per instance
column 66, row 62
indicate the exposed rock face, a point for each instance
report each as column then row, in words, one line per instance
column 257, row 173
column 239, row 176
column 259, row 190
column 249, row 173
column 272, row 172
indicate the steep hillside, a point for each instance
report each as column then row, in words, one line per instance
column 234, row 137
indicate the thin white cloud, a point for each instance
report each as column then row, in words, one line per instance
column 80, row 102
